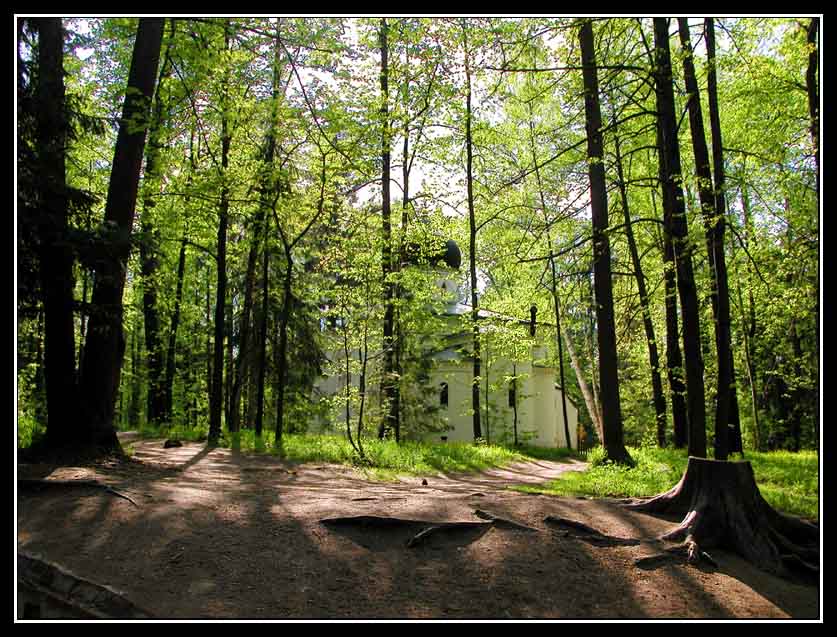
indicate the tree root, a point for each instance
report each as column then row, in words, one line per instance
column 723, row 508
column 39, row 485
column 426, row 529
column 503, row 523
column 581, row 531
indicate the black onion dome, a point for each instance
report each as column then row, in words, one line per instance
column 453, row 255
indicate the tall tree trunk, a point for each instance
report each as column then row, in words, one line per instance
column 713, row 222
column 648, row 325
column 389, row 387
column 748, row 322
column 217, row 402
column 674, row 358
column 106, row 342
column 677, row 227
column 267, row 187
column 134, row 405
column 589, row 399
column 175, row 322
column 262, row 361
column 608, row 373
column 282, row 353
column 726, row 414
column 149, row 251
column 472, row 247
column 55, row 258
column 812, row 85
column 555, row 304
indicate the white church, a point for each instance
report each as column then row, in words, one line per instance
column 519, row 399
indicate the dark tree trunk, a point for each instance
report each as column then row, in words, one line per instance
column 608, row 374
column 106, row 342
column 389, row 387
column 262, row 362
column 217, row 398
column 677, row 227
column 723, row 508
column 653, row 356
column 674, row 357
column 175, row 322
column 55, row 257
column 812, row 85
column 134, row 405
column 267, row 186
column 726, row 414
column 472, row 248
column 713, row 222
column 149, row 258
column 282, row 353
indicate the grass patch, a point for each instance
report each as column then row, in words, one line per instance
column 789, row 482
column 384, row 458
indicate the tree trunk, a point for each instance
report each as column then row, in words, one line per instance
column 726, row 377
column 149, row 259
column 723, row 508
column 388, row 383
column 653, row 356
column 282, row 354
column 589, row 399
column 262, row 364
column 812, row 85
column 608, row 373
column 472, row 245
column 555, row 305
column 106, row 342
column 55, row 257
column 217, row 402
column 713, row 221
column 175, row 322
column 677, row 227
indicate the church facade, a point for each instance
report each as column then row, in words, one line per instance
column 519, row 398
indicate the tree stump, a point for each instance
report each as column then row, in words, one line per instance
column 723, row 508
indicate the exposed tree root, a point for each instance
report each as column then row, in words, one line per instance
column 581, row 531
column 723, row 508
column 503, row 523
column 686, row 552
column 51, row 592
column 423, row 530
column 39, row 485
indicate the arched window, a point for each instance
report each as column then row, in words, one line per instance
column 443, row 395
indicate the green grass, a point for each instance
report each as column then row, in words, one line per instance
column 789, row 482
column 384, row 458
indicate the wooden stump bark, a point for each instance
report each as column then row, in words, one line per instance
column 723, row 508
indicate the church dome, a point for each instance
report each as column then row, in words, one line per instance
column 453, row 255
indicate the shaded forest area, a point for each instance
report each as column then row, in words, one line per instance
column 208, row 206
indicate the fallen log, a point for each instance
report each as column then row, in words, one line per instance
column 49, row 591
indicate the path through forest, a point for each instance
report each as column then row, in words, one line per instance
column 216, row 534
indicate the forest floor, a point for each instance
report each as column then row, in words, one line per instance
column 223, row 535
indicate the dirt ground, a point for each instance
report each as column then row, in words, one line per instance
column 220, row 535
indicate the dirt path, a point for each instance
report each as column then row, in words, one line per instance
column 215, row 534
